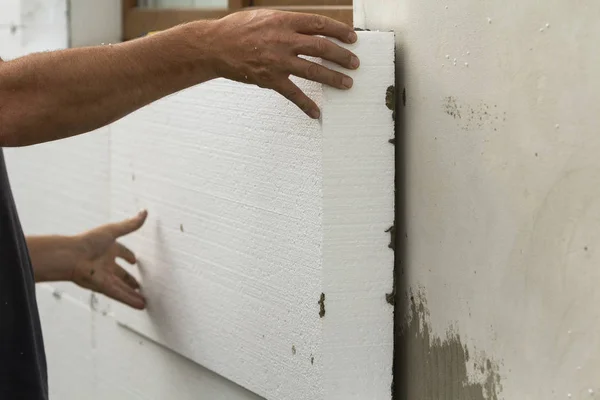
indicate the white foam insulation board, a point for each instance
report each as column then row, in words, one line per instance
column 266, row 255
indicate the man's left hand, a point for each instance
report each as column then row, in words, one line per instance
column 96, row 267
column 90, row 260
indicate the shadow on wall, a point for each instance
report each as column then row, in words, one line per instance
column 401, row 237
column 426, row 367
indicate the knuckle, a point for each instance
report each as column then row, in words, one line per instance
column 318, row 23
column 291, row 94
column 275, row 17
column 270, row 58
column 264, row 74
column 320, row 45
column 264, row 77
column 312, row 72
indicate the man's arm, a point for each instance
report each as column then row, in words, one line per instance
column 53, row 95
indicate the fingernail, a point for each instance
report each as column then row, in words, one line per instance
column 354, row 62
column 314, row 113
column 347, row 82
column 352, row 37
column 142, row 211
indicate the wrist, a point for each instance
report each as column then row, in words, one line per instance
column 200, row 51
column 54, row 258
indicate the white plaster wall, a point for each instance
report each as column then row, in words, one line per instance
column 501, row 153
column 63, row 188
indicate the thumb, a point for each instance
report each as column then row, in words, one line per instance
column 128, row 226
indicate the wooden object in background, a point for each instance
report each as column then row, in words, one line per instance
column 284, row 3
column 138, row 21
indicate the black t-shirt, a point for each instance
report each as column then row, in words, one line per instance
column 22, row 359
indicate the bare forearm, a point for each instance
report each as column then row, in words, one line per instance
column 49, row 96
column 52, row 257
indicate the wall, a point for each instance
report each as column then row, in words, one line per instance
column 63, row 188
column 500, row 245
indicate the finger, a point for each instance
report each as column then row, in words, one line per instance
column 132, row 293
column 127, row 226
column 320, row 25
column 126, row 254
column 318, row 73
column 294, row 94
column 326, row 49
column 117, row 289
column 126, row 277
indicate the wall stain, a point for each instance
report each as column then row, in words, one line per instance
column 474, row 117
column 451, row 108
column 293, row 349
column 322, row 305
column 438, row 368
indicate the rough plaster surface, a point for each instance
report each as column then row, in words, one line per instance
column 256, row 215
column 501, row 200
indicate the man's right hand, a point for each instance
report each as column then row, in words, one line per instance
column 262, row 47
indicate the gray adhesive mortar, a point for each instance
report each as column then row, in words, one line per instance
column 437, row 368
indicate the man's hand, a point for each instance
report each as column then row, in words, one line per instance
column 262, row 47
column 96, row 267
column 89, row 260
